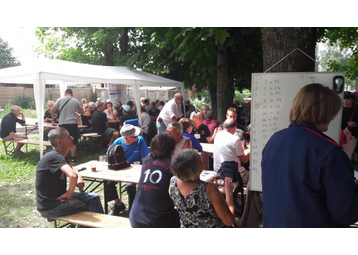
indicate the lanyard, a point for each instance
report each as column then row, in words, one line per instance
column 328, row 139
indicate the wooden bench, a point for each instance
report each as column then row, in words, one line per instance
column 94, row 220
column 23, row 141
column 95, row 136
column 355, row 225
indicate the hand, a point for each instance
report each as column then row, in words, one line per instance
column 80, row 183
column 160, row 119
column 64, row 197
column 211, row 179
column 80, row 186
column 228, row 187
column 352, row 124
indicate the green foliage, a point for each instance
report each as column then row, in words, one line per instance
column 26, row 102
column 202, row 99
column 6, row 55
column 90, row 45
column 239, row 97
column 6, row 110
column 345, row 40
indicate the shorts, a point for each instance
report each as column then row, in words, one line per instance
column 72, row 130
column 9, row 137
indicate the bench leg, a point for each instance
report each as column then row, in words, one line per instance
column 56, row 225
column 7, row 147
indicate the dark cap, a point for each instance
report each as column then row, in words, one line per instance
column 348, row 94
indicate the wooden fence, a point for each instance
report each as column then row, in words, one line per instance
column 10, row 94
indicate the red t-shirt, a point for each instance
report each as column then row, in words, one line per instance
column 212, row 124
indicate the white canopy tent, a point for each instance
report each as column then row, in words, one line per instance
column 45, row 71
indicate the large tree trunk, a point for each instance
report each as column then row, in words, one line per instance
column 109, row 54
column 124, row 41
column 225, row 89
column 213, row 98
column 277, row 43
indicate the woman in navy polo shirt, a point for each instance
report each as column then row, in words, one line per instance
column 307, row 179
column 152, row 206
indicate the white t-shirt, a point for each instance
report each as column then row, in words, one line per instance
column 170, row 110
column 109, row 116
column 227, row 147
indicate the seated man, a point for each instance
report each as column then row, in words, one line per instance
column 101, row 126
column 8, row 128
column 210, row 122
column 48, row 115
column 228, row 147
column 48, row 118
column 127, row 115
column 181, row 142
column 52, row 197
column 200, row 130
column 135, row 149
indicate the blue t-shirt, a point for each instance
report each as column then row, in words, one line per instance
column 194, row 142
column 152, row 206
column 135, row 151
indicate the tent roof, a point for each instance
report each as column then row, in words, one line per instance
column 69, row 71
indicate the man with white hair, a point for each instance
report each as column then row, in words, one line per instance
column 170, row 113
column 8, row 127
column 181, row 142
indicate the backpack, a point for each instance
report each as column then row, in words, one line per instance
column 229, row 169
column 116, row 158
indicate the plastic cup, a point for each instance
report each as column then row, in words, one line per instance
column 93, row 167
column 136, row 163
column 103, row 158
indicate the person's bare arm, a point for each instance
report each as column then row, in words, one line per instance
column 222, row 207
column 73, row 177
column 53, row 111
column 187, row 144
column 245, row 158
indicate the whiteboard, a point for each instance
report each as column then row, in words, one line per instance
column 272, row 97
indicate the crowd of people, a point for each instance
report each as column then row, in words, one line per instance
column 164, row 136
column 168, row 144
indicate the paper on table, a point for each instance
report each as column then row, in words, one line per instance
column 207, row 175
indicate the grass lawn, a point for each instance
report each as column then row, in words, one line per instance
column 17, row 185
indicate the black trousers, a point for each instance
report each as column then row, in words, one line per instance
column 111, row 192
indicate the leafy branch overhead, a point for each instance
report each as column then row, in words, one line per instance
column 7, row 58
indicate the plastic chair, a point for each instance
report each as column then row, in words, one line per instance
column 133, row 122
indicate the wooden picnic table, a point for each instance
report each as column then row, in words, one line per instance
column 130, row 174
column 208, row 147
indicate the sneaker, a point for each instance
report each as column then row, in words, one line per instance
column 73, row 160
column 117, row 208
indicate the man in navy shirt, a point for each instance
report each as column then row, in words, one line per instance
column 8, row 127
column 307, row 179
